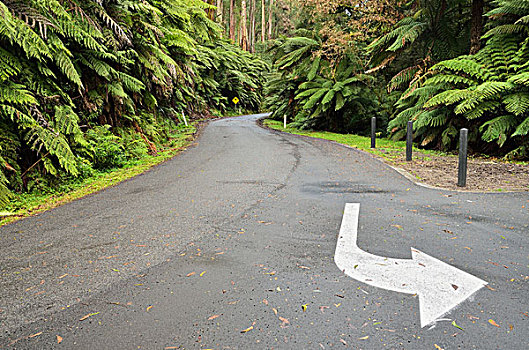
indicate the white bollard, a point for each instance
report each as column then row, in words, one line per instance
column 183, row 116
column 284, row 121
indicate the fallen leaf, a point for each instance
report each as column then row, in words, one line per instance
column 489, row 287
column 212, row 317
column 59, row 339
column 275, row 310
column 455, row 287
column 89, row 315
column 190, row 274
column 397, row 226
column 455, row 325
column 492, row 322
column 148, row 308
column 448, row 231
column 247, row 329
column 437, row 347
column 468, row 248
column 343, row 341
column 364, row 338
column 35, row 335
column 265, row 301
column 304, row 307
column 284, row 320
column 511, row 327
column 337, row 305
column 202, row 274
column 63, row 276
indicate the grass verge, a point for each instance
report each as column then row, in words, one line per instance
column 388, row 150
column 27, row 204
column 433, row 168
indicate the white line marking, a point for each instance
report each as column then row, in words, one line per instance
column 440, row 287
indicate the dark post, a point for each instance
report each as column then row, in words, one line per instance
column 463, row 146
column 373, row 132
column 409, row 140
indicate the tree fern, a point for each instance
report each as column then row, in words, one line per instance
column 492, row 91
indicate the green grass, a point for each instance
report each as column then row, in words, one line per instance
column 392, row 151
column 27, row 204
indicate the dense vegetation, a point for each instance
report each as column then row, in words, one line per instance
column 87, row 85
column 444, row 64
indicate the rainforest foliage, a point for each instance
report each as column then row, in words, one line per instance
column 444, row 64
column 87, row 85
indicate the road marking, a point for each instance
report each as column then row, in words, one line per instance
column 440, row 287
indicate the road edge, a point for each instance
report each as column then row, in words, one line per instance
column 191, row 143
column 402, row 172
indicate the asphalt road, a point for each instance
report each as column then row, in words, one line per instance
column 231, row 245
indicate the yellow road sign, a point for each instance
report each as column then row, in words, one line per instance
column 235, row 100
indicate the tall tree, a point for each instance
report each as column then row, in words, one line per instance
column 210, row 11
column 263, row 20
column 270, row 17
column 252, row 26
column 476, row 26
column 243, row 38
column 232, row 20
column 220, row 11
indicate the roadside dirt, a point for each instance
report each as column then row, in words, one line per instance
column 484, row 175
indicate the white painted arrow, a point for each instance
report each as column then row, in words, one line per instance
column 440, row 287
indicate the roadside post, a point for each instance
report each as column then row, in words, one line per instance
column 463, row 148
column 409, row 141
column 373, row 132
column 184, row 117
column 284, row 121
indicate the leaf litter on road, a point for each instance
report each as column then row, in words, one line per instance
column 455, row 325
column 88, row 315
column 492, row 322
column 249, row 328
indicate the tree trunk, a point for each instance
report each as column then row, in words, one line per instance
column 232, row 21
column 210, row 12
column 252, row 26
column 244, row 30
column 220, row 11
column 476, row 26
column 270, row 12
column 263, row 20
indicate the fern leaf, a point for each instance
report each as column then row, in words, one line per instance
column 517, row 103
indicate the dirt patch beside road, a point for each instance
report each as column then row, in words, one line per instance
column 483, row 174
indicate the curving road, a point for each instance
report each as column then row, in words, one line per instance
column 230, row 245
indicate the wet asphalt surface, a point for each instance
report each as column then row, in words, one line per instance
column 230, row 246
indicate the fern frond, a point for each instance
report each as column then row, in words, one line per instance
column 498, row 129
column 517, row 103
